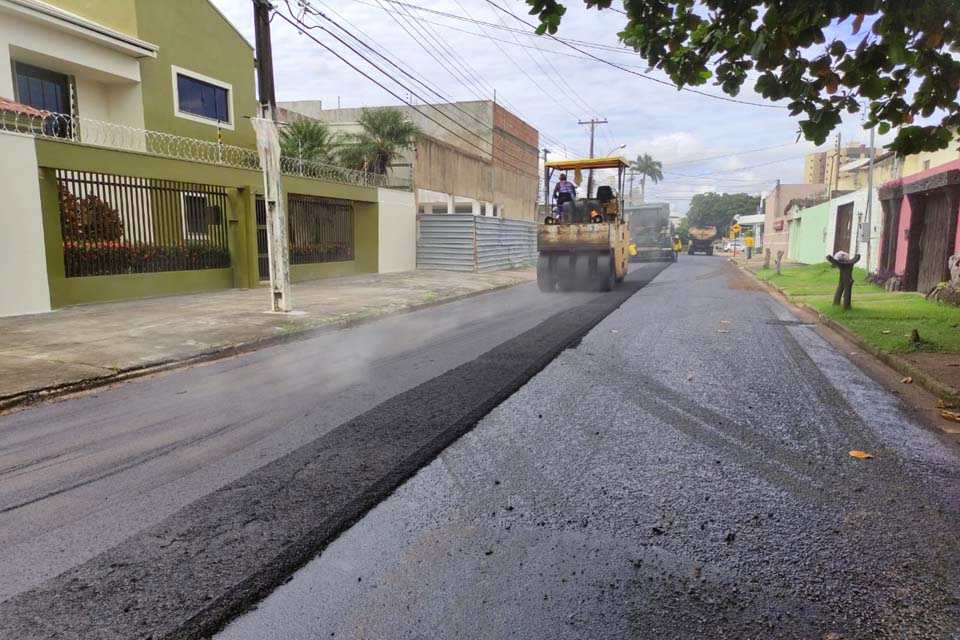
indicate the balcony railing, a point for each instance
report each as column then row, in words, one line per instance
column 78, row 130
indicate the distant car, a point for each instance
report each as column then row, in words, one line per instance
column 735, row 244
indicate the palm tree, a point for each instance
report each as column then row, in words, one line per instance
column 384, row 134
column 647, row 167
column 309, row 140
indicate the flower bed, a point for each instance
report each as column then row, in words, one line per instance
column 109, row 258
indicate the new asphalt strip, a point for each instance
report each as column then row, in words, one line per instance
column 191, row 573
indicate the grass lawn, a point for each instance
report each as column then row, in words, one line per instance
column 872, row 315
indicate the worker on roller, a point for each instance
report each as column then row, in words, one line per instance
column 565, row 191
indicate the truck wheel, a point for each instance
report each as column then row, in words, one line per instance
column 690, row 251
column 710, row 251
column 546, row 277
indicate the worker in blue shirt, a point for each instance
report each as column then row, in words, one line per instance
column 565, row 191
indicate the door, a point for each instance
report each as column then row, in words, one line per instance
column 935, row 242
column 841, row 239
column 891, row 234
column 263, row 256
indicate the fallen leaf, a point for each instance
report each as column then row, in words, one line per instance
column 689, row 376
column 943, row 404
column 950, row 415
column 907, row 380
column 722, row 331
column 886, row 332
column 726, row 321
column 614, row 331
column 861, row 455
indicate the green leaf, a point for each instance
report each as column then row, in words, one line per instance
column 883, row 128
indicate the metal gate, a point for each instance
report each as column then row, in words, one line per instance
column 263, row 256
column 934, row 243
column 841, row 240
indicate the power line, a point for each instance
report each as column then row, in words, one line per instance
column 300, row 26
column 693, row 160
column 636, row 73
column 305, row 5
column 712, row 173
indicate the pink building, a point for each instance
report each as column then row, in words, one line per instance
column 920, row 231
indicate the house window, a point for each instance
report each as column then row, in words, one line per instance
column 197, row 215
column 42, row 89
column 202, row 99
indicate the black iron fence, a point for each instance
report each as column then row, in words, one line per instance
column 321, row 229
column 115, row 225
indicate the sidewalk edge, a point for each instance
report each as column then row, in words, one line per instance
column 895, row 362
column 40, row 394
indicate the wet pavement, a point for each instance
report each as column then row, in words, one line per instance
column 682, row 473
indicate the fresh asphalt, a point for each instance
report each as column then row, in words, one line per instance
column 683, row 472
column 163, row 506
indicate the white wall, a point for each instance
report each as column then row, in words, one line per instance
column 398, row 230
column 859, row 200
column 24, row 287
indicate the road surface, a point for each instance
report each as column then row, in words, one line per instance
column 682, row 473
column 78, row 477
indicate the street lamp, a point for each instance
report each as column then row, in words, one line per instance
column 623, row 146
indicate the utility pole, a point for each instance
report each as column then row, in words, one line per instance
column 869, row 214
column 593, row 127
column 630, row 197
column 834, row 167
column 268, row 147
column 546, row 184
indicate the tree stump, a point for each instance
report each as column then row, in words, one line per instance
column 779, row 258
column 766, row 259
column 845, row 286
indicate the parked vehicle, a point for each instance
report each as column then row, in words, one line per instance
column 650, row 231
column 701, row 240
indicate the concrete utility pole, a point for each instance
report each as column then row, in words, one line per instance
column 593, row 127
column 869, row 213
column 268, row 146
column 546, row 184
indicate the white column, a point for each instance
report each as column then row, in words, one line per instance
column 476, row 207
column 451, row 203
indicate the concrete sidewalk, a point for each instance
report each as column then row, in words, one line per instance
column 78, row 347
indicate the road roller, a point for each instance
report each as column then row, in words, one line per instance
column 583, row 243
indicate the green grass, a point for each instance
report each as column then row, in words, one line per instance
column 871, row 315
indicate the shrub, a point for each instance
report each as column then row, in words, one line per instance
column 89, row 218
column 113, row 258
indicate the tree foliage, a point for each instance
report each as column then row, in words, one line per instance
column 904, row 64
column 309, row 140
column 683, row 231
column 647, row 167
column 718, row 209
column 384, row 134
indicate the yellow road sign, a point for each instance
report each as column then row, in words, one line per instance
column 735, row 228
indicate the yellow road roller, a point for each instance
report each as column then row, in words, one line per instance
column 583, row 243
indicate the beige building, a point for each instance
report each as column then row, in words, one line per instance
column 776, row 231
column 886, row 167
column 486, row 164
column 819, row 167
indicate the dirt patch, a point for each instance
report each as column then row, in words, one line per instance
column 944, row 367
column 741, row 281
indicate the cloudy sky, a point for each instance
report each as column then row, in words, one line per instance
column 469, row 49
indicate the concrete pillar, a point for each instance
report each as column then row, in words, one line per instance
column 476, row 208
column 451, row 203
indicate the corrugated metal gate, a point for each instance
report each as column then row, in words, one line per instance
column 474, row 243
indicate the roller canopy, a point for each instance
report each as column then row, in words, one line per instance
column 615, row 162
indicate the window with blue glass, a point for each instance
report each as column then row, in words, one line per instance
column 203, row 99
column 42, row 89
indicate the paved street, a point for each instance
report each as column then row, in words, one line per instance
column 79, row 476
column 682, row 473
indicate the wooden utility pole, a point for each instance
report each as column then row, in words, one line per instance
column 593, row 127
column 268, row 146
column 869, row 213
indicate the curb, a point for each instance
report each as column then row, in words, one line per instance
column 895, row 362
column 41, row 394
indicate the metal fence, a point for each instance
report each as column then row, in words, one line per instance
column 321, row 229
column 115, row 225
column 462, row 242
column 74, row 129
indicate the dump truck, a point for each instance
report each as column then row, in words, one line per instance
column 650, row 231
column 584, row 243
column 701, row 239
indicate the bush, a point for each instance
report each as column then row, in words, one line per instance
column 89, row 218
column 113, row 258
column 321, row 252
